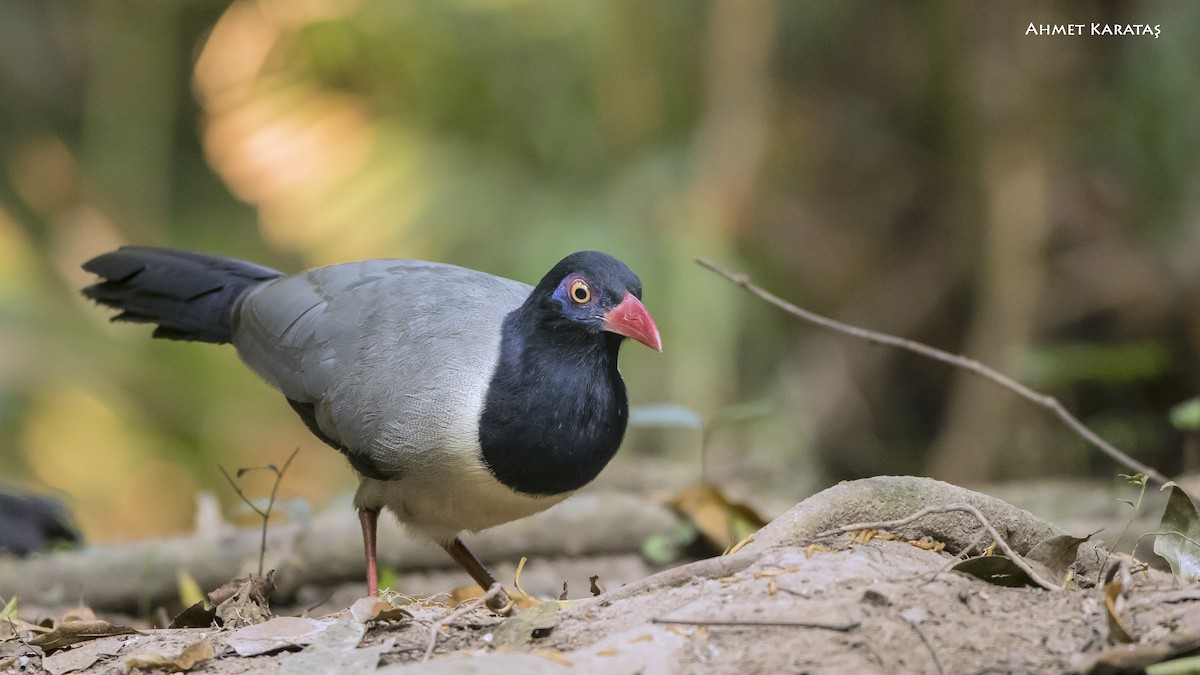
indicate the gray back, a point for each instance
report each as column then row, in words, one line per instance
column 395, row 355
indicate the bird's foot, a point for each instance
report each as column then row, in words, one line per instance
column 501, row 603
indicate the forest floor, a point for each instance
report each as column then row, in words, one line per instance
column 800, row 596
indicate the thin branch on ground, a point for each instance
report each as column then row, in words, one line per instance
column 436, row 629
column 265, row 515
column 947, row 508
column 840, row 627
column 1175, row 533
column 1048, row 402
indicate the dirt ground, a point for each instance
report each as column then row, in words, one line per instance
column 779, row 604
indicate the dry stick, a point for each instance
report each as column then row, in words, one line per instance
column 1181, row 535
column 266, row 515
column 1048, row 402
column 436, row 629
column 947, row 508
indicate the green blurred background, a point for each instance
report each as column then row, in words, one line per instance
column 924, row 168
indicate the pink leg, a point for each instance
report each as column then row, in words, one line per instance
column 370, row 519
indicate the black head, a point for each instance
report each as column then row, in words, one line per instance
column 592, row 293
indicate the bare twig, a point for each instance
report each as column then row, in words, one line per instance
column 436, row 629
column 840, row 627
column 265, row 515
column 948, row 508
column 1168, row 533
column 1048, row 402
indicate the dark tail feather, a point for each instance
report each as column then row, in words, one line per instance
column 190, row 296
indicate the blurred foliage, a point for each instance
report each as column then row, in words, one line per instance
column 921, row 168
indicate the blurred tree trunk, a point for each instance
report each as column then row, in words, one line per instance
column 130, row 111
column 728, row 151
column 978, row 426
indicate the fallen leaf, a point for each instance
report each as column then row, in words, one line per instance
column 81, row 658
column 1180, row 523
column 1112, row 602
column 722, row 522
column 375, row 609
column 282, row 632
column 597, row 587
column 264, row 586
column 193, row 655
column 564, row 595
column 249, row 603
column 607, row 651
column 78, row 631
column 461, row 594
column 517, row 630
column 997, row 570
column 1053, row 556
column 200, row 615
column 336, row 650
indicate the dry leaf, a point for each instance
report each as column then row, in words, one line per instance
column 1181, row 522
column 597, row 585
column 78, row 631
column 1112, row 602
column 199, row 615
column 193, row 655
column 1052, row 557
column 376, row 609
column 263, row 586
column 721, row 521
column 249, row 603
column 82, row 656
column 336, row 650
column 537, row 621
column 994, row 569
column 282, row 632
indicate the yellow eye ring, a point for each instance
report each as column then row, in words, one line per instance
column 579, row 292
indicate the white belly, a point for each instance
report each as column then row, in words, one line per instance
column 446, row 500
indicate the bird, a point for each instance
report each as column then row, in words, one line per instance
column 462, row 400
column 32, row 522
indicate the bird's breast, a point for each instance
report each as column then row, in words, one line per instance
column 550, row 427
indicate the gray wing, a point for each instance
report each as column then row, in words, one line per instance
column 392, row 357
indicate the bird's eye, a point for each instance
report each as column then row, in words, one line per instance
column 580, row 293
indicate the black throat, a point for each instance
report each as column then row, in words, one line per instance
column 555, row 410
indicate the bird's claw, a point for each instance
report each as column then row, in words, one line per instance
column 501, row 604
